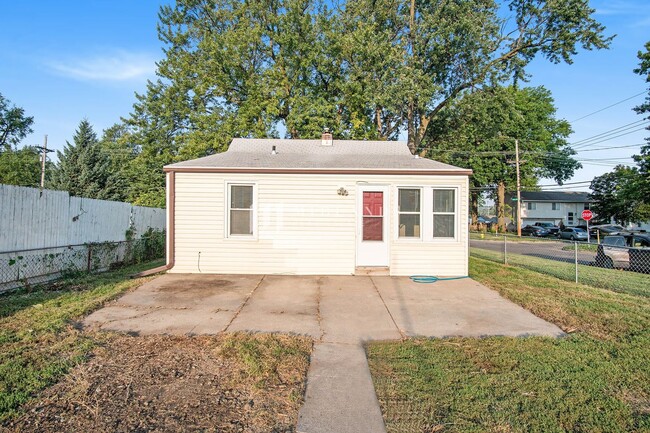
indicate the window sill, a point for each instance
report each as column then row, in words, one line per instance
column 240, row 238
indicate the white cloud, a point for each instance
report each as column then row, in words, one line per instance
column 117, row 65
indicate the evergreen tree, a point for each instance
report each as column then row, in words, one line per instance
column 83, row 169
column 119, row 145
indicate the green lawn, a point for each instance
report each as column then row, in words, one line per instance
column 610, row 279
column 38, row 337
column 597, row 379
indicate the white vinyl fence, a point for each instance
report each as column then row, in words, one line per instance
column 44, row 235
column 32, row 219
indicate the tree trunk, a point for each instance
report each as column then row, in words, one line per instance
column 473, row 205
column 501, row 207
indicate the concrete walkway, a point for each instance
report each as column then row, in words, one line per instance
column 339, row 312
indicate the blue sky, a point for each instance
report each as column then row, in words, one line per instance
column 69, row 60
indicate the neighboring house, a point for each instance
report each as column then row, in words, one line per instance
column 317, row 207
column 552, row 206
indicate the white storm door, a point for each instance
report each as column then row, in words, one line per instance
column 372, row 226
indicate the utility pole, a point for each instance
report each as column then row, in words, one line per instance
column 43, row 158
column 518, row 188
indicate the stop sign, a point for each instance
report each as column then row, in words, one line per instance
column 587, row 215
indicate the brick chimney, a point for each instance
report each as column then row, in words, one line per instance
column 326, row 139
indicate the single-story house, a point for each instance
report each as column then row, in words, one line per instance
column 317, row 207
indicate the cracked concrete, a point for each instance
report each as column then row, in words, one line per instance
column 341, row 313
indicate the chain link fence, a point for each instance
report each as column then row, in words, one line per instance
column 25, row 268
column 620, row 263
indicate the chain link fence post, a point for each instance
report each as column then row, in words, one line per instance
column 89, row 262
column 575, row 258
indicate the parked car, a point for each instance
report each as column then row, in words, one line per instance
column 574, row 234
column 592, row 231
column 609, row 229
column 552, row 228
column 626, row 251
column 538, row 231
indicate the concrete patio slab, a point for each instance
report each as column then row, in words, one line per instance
column 277, row 306
column 200, row 292
column 339, row 312
column 461, row 307
column 171, row 321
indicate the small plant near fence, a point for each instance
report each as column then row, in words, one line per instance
column 26, row 268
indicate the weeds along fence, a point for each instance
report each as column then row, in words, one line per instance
column 31, row 267
column 618, row 268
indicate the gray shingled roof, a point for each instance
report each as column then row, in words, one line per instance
column 556, row 196
column 311, row 154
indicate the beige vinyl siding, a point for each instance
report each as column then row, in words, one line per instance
column 303, row 226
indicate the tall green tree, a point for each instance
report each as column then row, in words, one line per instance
column 14, row 125
column 643, row 159
column 22, row 167
column 434, row 51
column 117, row 143
column 83, row 169
column 367, row 69
column 616, row 196
column 480, row 129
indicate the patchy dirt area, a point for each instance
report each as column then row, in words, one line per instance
column 225, row 383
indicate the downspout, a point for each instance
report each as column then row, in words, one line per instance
column 171, row 214
column 170, row 238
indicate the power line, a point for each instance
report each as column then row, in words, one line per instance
column 609, row 137
column 609, row 106
column 597, row 149
column 567, row 183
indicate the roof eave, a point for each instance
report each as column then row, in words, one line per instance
column 265, row 170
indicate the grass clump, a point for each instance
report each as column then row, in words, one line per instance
column 594, row 380
column 269, row 359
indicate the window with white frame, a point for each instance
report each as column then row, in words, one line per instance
column 555, row 206
column 531, row 205
column 444, row 213
column 240, row 210
column 409, row 212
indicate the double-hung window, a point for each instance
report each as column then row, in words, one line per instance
column 444, row 213
column 240, row 210
column 409, row 212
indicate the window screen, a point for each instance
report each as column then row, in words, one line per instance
column 409, row 213
column 444, row 213
column 241, row 209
